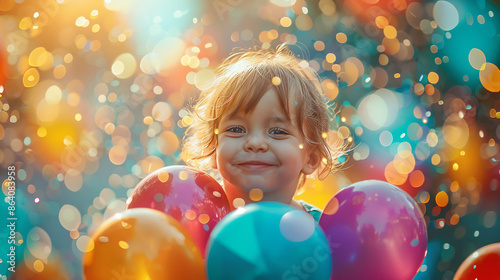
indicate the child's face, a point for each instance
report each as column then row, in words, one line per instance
column 262, row 150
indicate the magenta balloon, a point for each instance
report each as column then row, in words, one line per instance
column 375, row 230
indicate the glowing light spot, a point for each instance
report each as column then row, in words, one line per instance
column 417, row 178
column 53, row 95
column 432, row 139
column 37, row 199
column 455, row 218
column 238, row 202
column 393, row 176
column 283, row 3
column 440, row 223
column 73, row 180
column 385, row 138
column 163, row 176
column 256, row 194
column 378, row 110
column 341, row 37
column 285, row 21
column 276, row 81
column 436, row 159
column 390, row 32
column 319, row 46
column 190, row 214
column 80, row 21
column 109, row 128
column 404, row 162
column 39, row 243
column 204, row 218
column 330, row 88
column 433, row 77
column 456, row 131
column 151, row 63
column 41, row 132
column 490, row 77
column 86, row 244
column 455, row 166
column 446, row 15
column 297, row 226
column 69, row 217
column 327, row 7
column 477, row 59
column 183, row 175
column 31, row 188
column 162, row 111
column 117, row 155
column 123, row 244
column 217, row 194
column 330, row 58
column 148, row 120
column 381, row 22
column 424, row 197
column 167, row 143
column 442, row 199
column 304, row 22
column 74, row 234
column 204, row 79
column 25, row 23
column 31, row 77
column 124, row 66
column 38, row 266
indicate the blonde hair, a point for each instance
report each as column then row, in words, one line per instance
column 241, row 81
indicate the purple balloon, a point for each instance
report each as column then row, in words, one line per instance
column 375, row 230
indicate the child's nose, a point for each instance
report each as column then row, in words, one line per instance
column 255, row 142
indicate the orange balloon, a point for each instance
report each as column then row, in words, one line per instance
column 142, row 243
column 53, row 269
column 484, row 263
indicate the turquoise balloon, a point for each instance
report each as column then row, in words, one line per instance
column 268, row 240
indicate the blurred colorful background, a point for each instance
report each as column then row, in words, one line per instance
column 93, row 97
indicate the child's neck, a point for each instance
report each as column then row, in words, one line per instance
column 234, row 193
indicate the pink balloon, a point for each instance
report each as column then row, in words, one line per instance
column 375, row 231
column 191, row 196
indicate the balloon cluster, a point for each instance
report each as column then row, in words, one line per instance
column 164, row 230
column 177, row 225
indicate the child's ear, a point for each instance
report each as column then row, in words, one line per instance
column 213, row 161
column 312, row 163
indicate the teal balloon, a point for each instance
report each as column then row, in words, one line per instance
column 268, row 240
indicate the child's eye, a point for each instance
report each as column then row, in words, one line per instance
column 277, row 130
column 236, row 129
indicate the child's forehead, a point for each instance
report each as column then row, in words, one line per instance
column 272, row 115
column 269, row 109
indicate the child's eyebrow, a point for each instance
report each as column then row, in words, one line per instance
column 239, row 116
column 278, row 119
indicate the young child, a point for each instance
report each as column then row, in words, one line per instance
column 264, row 126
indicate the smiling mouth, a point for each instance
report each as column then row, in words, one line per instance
column 255, row 165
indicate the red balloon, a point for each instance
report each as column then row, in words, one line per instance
column 191, row 196
column 484, row 263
